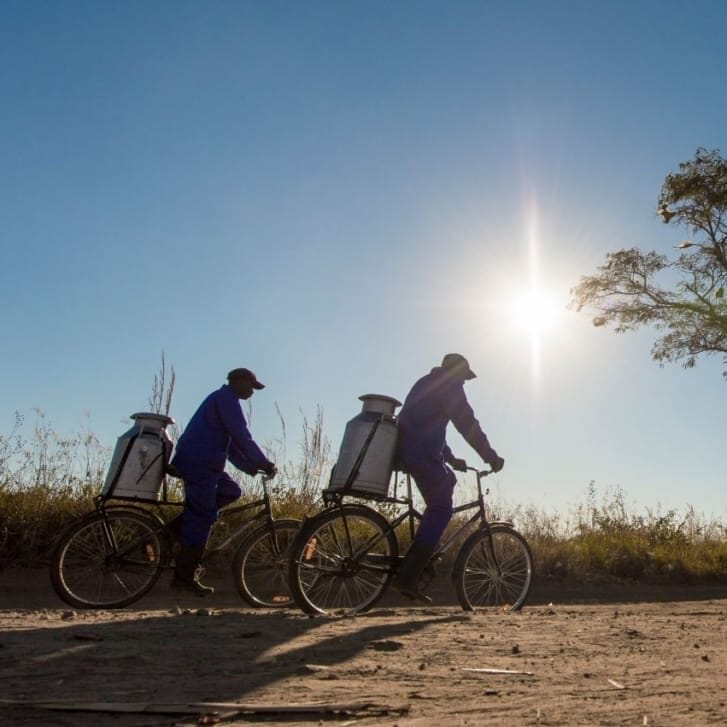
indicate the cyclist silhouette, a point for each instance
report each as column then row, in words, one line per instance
column 216, row 433
column 435, row 400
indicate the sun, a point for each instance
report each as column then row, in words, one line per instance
column 535, row 312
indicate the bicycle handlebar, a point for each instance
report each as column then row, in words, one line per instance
column 480, row 473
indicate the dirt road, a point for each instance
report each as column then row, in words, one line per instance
column 560, row 662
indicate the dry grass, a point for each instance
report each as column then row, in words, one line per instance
column 46, row 481
column 604, row 538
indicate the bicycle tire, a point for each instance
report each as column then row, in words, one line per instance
column 87, row 571
column 342, row 560
column 501, row 582
column 260, row 565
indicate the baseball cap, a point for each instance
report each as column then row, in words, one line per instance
column 245, row 375
column 457, row 363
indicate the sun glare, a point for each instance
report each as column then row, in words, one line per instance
column 534, row 312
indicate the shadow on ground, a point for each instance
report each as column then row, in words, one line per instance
column 29, row 588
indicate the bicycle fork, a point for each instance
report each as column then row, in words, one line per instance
column 490, row 552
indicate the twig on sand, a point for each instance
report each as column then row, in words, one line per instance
column 504, row 672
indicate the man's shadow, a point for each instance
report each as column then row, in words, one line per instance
column 182, row 658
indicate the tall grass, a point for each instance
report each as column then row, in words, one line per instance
column 603, row 537
column 47, row 480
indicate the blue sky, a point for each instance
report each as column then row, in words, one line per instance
column 337, row 194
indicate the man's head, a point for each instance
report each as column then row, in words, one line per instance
column 243, row 382
column 456, row 365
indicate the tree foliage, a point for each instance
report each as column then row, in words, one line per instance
column 681, row 297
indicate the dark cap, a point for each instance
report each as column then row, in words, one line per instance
column 245, row 375
column 457, row 363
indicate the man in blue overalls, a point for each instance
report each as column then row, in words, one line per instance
column 435, row 400
column 216, row 433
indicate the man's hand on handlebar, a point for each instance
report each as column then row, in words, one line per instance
column 270, row 470
column 497, row 464
column 458, row 464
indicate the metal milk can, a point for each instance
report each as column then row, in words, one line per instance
column 140, row 459
column 368, row 450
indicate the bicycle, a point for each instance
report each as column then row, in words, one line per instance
column 344, row 557
column 114, row 555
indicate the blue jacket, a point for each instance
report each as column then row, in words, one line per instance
column 434, row 401
column 218, row 432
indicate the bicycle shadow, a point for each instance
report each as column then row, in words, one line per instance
column 195, row 656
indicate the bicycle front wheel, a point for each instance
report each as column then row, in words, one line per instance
column 260, row 565
column 342, row 560
column 109, row 560
column 494, row 569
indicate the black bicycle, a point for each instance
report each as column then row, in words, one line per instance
column 114, row 555
column 344, row 557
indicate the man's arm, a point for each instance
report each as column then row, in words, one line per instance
column 251, row 468
column 243, row 452
column 465, row 422
column 240, row 461
column 454, row 462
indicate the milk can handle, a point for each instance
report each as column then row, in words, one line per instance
column 364, row 448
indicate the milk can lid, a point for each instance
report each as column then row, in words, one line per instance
column 379, row 403
column 160, row 419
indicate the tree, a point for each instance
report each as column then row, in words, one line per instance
column 683, row 299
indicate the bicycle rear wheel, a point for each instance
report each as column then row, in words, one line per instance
column 342, row 560
column 493, row 569
column 260, row 565
column 109, row 560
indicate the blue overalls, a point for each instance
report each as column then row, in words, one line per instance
column 216, row 433
column 434, row 401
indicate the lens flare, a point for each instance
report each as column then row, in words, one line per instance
column 534, row 312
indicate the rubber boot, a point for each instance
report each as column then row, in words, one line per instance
column 174, row 527
column 414, row 563
column 185, row 572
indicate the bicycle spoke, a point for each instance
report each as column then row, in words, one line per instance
column 333, row 570
column 261, row 565
column 91, row 571
column 494, row 569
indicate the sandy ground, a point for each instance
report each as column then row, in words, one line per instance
column 575, row 655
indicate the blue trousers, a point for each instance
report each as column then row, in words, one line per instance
column 436, row 483
column 206, row 492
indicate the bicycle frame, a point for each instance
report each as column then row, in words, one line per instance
column 262, row 506
column 345, row 556
column 413, row 516
column 264, row 513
